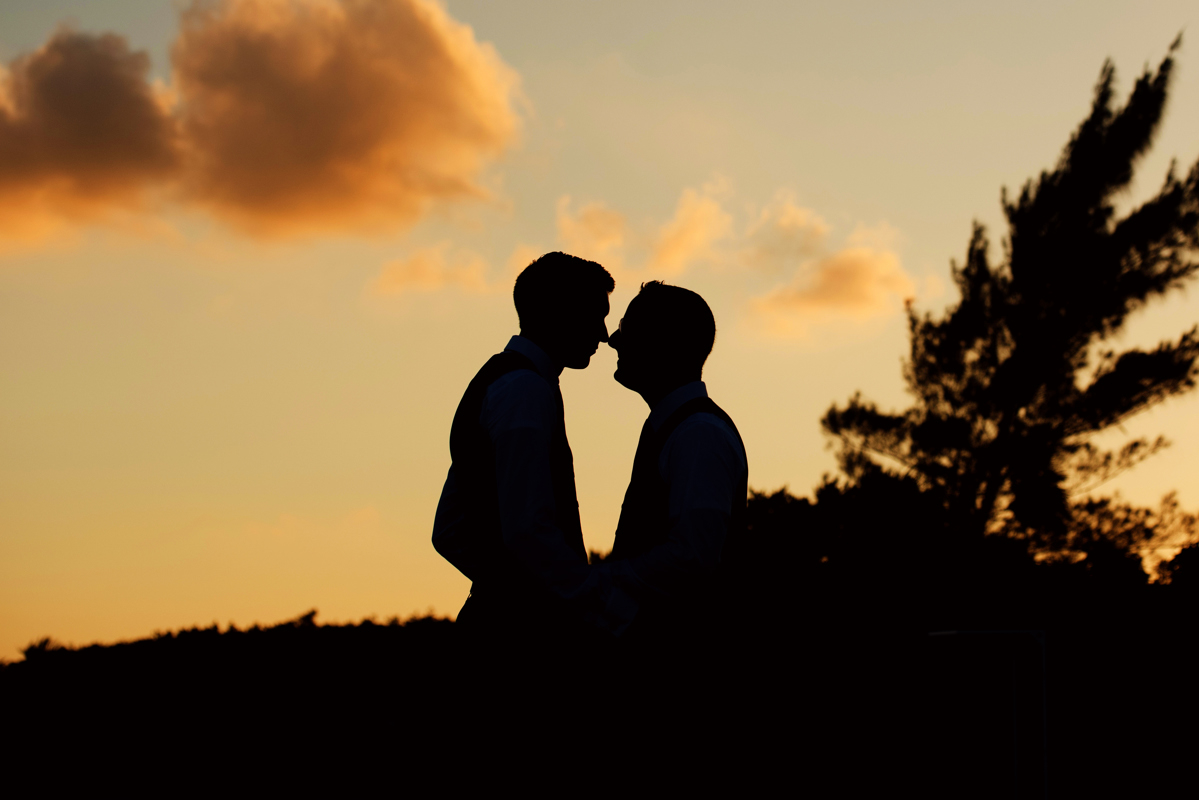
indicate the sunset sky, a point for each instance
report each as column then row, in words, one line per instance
column 252, row 251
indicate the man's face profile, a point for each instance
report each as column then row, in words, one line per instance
column 635, row 344
column 581, row 329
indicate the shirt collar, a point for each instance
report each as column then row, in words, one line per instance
column 671, row 402
column 541, row 360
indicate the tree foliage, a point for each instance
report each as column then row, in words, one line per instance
column 1012, row 384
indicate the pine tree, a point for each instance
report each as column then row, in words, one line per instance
column 1014, row 382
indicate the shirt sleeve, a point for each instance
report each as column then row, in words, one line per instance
column 519, row 414
column 703, row 466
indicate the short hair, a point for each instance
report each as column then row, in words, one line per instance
column 682, row 318
column 554, row 279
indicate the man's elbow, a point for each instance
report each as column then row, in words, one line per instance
column 439, row 545
column 443, row 541
column 448, row 548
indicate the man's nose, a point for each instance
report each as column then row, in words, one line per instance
column 614, row 340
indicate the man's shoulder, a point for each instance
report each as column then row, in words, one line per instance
column 705, row 431
column 508, row 372
column 519, row 399
column 499, row 365
column 705, row 424
column 519, row 383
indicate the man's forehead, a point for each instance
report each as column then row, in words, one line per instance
column 631, row 310
column 600, row 305
column 584, row 303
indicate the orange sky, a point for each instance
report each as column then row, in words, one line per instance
column 251, row 252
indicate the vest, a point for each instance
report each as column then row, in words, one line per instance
column 645, row 515
column 473, row 458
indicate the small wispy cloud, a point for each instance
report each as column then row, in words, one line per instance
column 862, row 280
column 881, row 236
column 856, row 283
column 699, row 223
column 432, row 268
column 595, row 232
column 784, row 234
column 522, row 256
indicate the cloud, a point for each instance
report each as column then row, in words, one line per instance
column 335, row 114
column 432, row 268
column 882, row 236
column 284, row 116
column 596, row 232
column 784, row 234
column 81, row 131
column 857, row 283
column 699, row 223
column 934, row 287
column 522, row 256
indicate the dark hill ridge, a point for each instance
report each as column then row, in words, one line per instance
column 193, row 665
column 300, row 637
column 410, row 700
column 948, row 708
column 822, row 654
column 299, row 706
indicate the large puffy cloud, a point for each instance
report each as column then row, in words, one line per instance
column 327, row 113
column 290, row 116
column 81, row 130
column 431, row 268
column 857, row 282
column 699, row 222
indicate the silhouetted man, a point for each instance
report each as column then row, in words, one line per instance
column 508, row 516
column 684, row 510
